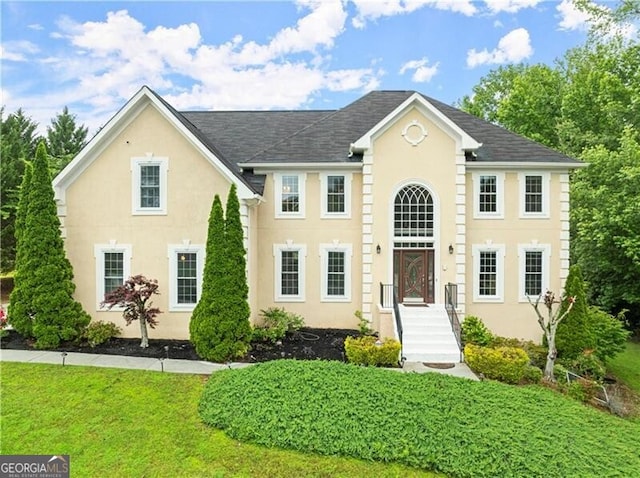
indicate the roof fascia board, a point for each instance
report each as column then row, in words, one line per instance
column 463, row 140
column 257, row 167
column 523, row 165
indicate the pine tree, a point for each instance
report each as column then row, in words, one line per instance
column 64, row 139
column 46, row 275
column 203, row 328
column 19, row 309
column 575, row 333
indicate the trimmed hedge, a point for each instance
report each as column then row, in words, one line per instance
column 506, row 364
column 368, row 351
column 431, row 421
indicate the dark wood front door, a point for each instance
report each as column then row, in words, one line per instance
column 415, row 275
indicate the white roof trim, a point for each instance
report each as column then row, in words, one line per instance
column 116, row 124
column 463, row 140
column 354, row 166
column 523, row 165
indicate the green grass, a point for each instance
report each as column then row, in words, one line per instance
column 126, row 423
column 626, row 366
column 437, row 422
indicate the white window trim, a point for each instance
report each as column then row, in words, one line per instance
column 302, row 255
column 347, row 249
column 499, row 214
column 136, row 163
column 302, row 179
column 324, row 185
column 500, row 253
column 546, row 181
column 546, row 261
column 98, row 252
column 172, row 251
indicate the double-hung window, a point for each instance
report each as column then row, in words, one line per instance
column 534, row 195
column 488, row 273
column 336, row 195
column 149, row 185
column 335, row 277
column 533, row 269
column 289, row 268
column 290, row 195
column 186, row 264
column 488, row 195
column 113, row 267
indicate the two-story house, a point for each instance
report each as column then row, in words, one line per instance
column 396, row 194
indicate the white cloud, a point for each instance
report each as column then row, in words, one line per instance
column 571, row 18
column 514, row 47
column 17, row 50
column 509, row 6
column 422, row 73
column 35, row 26
column 497, row 24
column 370, row 10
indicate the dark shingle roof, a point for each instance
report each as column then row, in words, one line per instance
column 324, row 136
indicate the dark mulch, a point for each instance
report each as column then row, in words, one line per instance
column 306, row 344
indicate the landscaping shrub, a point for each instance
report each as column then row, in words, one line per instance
column 532, row 374
column 610, row 333
column 363, row 324
column 475, row 332
column 276, row 322
column 582, row 389
column 458, row 427
column 537, row 353
column 368, row 351
column 588, row 365
column 506, row 364
column 99, row 332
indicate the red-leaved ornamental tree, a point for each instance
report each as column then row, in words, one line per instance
column 550, row 326
column 134, row 296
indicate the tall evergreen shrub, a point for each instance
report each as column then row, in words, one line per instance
column 575, row 333
column 46, row 277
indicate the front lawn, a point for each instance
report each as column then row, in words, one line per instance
column 626, row 366
column 125, row 423
column 436, row 422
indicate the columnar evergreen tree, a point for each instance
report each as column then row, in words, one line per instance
column 18, row 307
column 575, row 333
column 203, row 328
column 220, row 328
column 46, row 277
column 64, row 139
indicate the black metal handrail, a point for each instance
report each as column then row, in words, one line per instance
column 396, row 313
column 451, row 304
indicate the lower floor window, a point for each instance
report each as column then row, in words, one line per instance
column 186, row 264
column 113, row 267
column 533, row 270
column 533, row 273
column 335, row 272
column 290, row 276
column 488, row 272
column 289, row 272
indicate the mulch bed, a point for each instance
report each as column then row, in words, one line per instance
column 306, row 344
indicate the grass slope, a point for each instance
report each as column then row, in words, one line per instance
column 125, row 423
column 436, row 422
column 626, row 366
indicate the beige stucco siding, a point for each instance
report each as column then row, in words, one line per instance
column 311, row 232
column 99, row 210
column 514, row 317
column 397, row 163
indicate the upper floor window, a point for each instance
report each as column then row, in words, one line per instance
column 336, row 195
column 534, row 194
column 290, row 195
column 186, row 266
column 113, row 267
column 413, row 214
column 488, row 195
column 149, row 185
column 488, row 273
column 289, row 272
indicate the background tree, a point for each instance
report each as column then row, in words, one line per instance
column 45, row 276
column 18, row 141
column 134, row 296
column 64, row 139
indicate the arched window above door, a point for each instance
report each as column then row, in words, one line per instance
column 413, row 212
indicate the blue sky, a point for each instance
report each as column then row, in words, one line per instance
column 93, row 56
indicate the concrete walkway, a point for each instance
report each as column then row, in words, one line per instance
column 174, row 365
